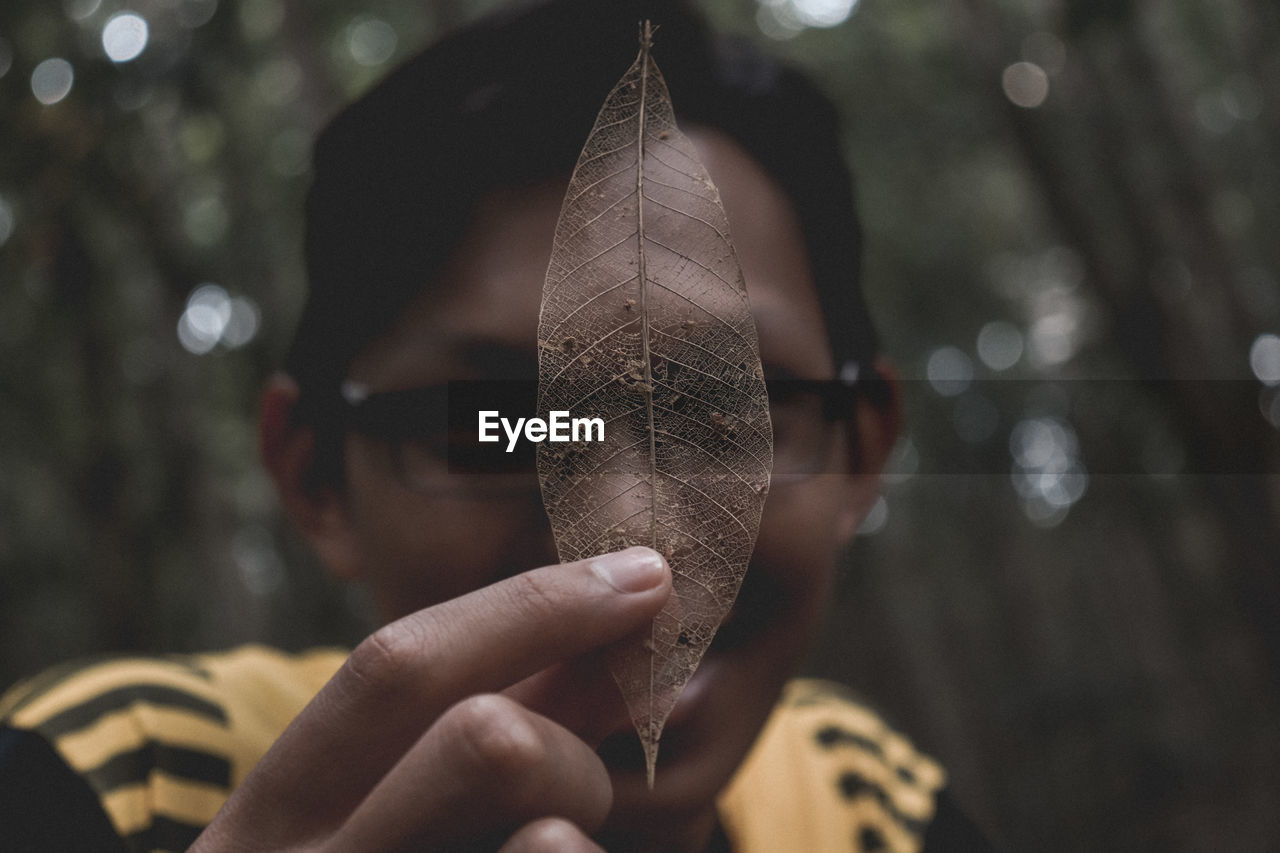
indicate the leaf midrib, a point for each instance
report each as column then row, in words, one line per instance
column 648, row 368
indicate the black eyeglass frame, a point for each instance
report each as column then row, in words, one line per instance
column 397, row 416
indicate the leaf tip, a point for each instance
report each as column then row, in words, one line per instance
column 650, row 762
column 647, row 30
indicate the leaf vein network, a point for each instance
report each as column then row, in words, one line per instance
column 691, row 260
column 719, row 233
column 610, row 289
column 586, row 350
column 619, row 200
column 597, row 256
column 709, row 498
column 705, row 452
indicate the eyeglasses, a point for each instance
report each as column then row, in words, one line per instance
column 432, row 438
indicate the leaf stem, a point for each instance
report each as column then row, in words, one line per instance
column 646, row 41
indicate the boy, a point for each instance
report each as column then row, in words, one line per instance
column 480, row 716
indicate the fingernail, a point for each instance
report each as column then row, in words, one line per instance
column 633, row 570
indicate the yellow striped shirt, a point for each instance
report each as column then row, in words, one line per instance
column 162, row 742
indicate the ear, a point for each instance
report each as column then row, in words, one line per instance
column 288, row 449
column 872, row 435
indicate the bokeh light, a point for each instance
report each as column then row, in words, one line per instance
column 200, row 326
column 999, row 345
column 1047, row 472
column 778, row 20
column 1042, row 444
column 124, row 37
column 783, row 19
column 1269, row 405
column 214, row 317
column 371, row 41
column 1054, row 339
column 51, row 80
column 242, row 325
column 6, row 57
column 823, row 13
column 903, row 462
column 1264, row 358
column 949, row 371
column 258, row 563
column 876, row 518
column 1025, row 84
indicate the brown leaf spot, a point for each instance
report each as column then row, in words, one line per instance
column 720, row 424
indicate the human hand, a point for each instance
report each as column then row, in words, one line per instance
column 411, row 745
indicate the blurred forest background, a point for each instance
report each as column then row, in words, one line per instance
column 1069, row 591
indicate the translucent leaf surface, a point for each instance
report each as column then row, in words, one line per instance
column 645, row 323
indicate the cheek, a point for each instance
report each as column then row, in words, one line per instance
column 416, row 550
column 806, row 515
column 800, row 536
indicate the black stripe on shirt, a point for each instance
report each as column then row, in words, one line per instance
column 164, row 833
column 135, row 766
column 87, row 713
column 853, row 785
column 833, row 735
column 54, row 676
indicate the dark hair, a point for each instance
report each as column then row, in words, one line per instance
column 508, row 102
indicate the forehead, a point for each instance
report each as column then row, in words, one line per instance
column 479, row 318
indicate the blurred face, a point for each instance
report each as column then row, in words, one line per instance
column 479, row 321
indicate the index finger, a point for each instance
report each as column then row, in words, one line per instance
column 399, row 680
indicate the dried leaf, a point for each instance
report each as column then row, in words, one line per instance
column 645, row 323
